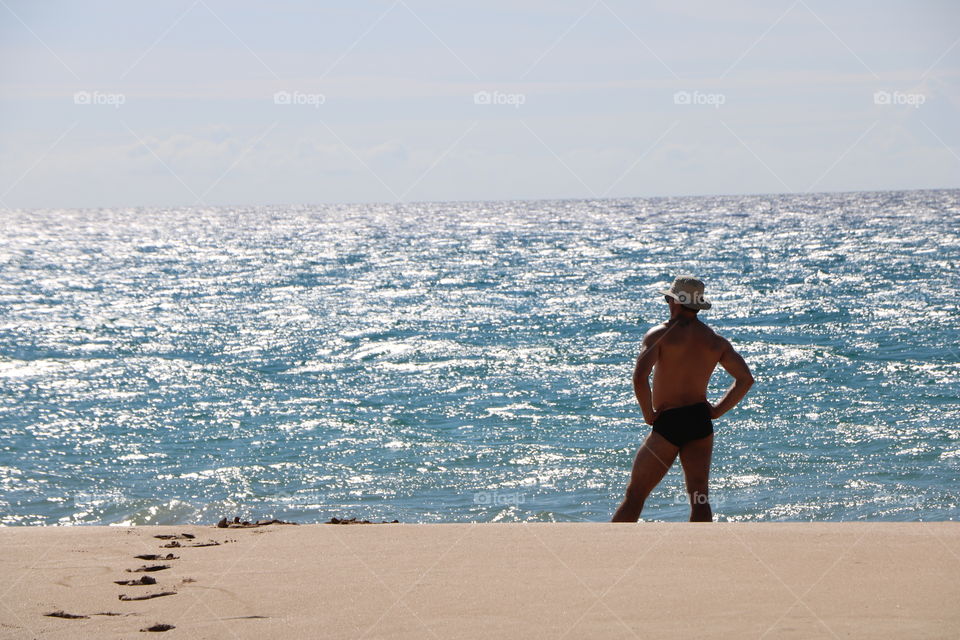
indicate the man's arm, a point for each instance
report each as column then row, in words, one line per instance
column 735, row 365
column 649, row 353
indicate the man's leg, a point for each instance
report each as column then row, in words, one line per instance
column 695, row 460
column 653, row 460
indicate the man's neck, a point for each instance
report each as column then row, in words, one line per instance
column 684, row 317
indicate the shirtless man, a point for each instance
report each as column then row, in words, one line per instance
column 685, row 352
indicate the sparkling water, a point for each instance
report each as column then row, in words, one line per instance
column 471, row 361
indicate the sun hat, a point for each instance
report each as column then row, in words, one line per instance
column 688, row 291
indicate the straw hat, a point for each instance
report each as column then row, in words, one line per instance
column 688, row 291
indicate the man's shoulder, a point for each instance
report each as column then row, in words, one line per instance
column 715, row 340
column 721, row 343
column 655, row 332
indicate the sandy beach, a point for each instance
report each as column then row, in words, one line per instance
column 771, row 580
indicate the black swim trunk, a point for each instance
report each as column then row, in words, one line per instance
column 683, row 424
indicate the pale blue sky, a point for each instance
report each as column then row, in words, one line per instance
column 787, row 94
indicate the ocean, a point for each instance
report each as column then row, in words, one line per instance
column 471, row 361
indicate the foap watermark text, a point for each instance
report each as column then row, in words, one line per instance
column 299, row 98
column 514, row 100
column 899, row 98
column 114, row 100
column 715, row 100
column 499, row 498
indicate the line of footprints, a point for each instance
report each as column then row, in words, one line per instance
column 147, row 580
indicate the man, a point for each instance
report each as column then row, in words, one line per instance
column 685, row 352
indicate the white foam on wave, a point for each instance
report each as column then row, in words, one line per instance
column 45, row 366
column 381, row 349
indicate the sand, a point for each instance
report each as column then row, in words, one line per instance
column 675, row 580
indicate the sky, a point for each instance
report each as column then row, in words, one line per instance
column 229, row 103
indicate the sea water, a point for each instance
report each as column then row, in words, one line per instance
column 471, row 361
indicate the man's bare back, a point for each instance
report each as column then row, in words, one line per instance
column 682, row 353
column 688, row 352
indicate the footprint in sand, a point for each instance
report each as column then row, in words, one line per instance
column 142, row 580
column 147, row 596
column 77, row 616
column 175, row 544
column 149, row 567
column 64, row 614
column 155, row 556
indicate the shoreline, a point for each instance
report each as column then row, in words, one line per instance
column 846, row 579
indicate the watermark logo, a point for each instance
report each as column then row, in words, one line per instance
column 695, row 498
column 690, row 297
column 97, row 97
column 499, row 98
column 298, row 98
column 497, row 498
column 885, row 98
column 887, row 497
column 714, row 100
